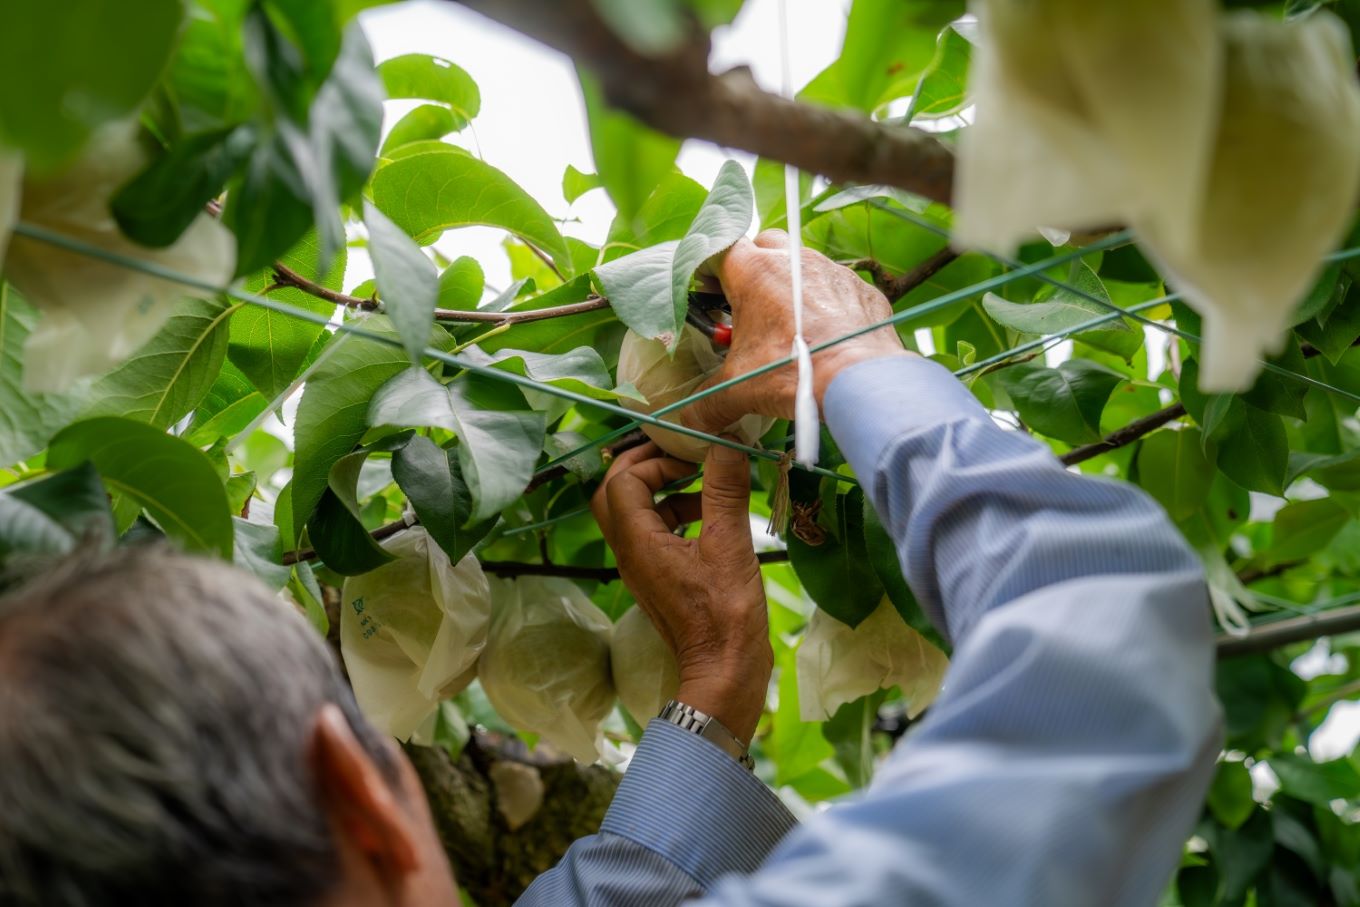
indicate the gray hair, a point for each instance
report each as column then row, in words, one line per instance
column 155, row 715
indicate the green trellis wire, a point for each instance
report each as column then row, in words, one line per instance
column 924, row 308
column 1119, row 312
column 73, row 245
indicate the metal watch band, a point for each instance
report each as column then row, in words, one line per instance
column 688, row 718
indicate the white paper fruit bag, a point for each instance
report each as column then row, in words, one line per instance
column 1282, row 189
column 546, row 664
column 663, row 380
column 646, row 674
column 1087, row 113
column 411, row 631
column 94, row 313
column 837, row 664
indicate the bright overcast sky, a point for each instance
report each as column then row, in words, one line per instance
column 533, row 124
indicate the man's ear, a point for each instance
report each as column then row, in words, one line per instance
column 360, row 800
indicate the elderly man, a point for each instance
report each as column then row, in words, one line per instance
column 170, row 735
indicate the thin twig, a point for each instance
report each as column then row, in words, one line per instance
column 597, row 574
column 896, row 287
column 286, row 277
column 1124, row 436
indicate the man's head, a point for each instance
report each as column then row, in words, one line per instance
column 171, row 733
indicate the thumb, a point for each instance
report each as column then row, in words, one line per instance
column 727, row 497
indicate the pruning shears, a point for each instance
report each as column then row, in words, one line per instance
column 711, row 314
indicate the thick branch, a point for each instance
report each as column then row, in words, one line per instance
column 1124, row 436
column 1296, row 629
column 678, row 95
column 286, row 277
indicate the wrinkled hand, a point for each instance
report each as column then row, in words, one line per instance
column 756, row 279
column 704, row 594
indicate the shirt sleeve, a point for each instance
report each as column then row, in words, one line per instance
column 684, row 814
column 1066, row 760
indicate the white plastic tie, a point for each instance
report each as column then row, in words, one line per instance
column 806, row 421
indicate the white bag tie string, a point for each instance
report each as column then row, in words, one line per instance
column 806, row 421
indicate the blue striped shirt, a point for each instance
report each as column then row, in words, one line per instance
column 1064, row 763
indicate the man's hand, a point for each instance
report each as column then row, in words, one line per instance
column 756, row 279
column 704, row 595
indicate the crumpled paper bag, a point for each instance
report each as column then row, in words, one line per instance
column 1087, row 114
column 546, row 664
column 1282, row 188
column 95, row 313
column 837, row 664
column 646, row 673
column 663, row 380
column 411, row 632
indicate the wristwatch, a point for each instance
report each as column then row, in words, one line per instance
column 688, row 718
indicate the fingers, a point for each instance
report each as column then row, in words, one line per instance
column 727, row 499
column 773, row 239
column 681, row 510
column 716, row 412
column 599, row 501
column 631, row 493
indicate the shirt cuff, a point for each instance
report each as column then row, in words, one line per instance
column 872, row 404
column 689, row 802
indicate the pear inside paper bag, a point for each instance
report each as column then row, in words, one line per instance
column 546, row 664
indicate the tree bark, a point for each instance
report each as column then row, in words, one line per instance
column 478, row 807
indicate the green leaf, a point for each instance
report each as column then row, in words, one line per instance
column 1172, row 468
column 1254, row 452
column 167, row 476
column 430, row 193
column 332, row 416
column 499, row 443
column 167, row 377
column 346, row 123
column 649, row 290
column 580, row 370
column 428, row 122
column 27, row 421
column 433, row 79
column 850, row 731
column 630, row 158
column 1230, row 795
column 665, row 215
column 1318, row 783
column 1275, row 393
column 882, row 554
column 1064, row 402
column 943, row 88
column 160, row 203
column 838, row 574
column 336, row 529
column 229, row 406
column 888, row 44
column 461, row 285
column 796, row 747
column 270, row 347
column 1241, row 854
column 306, row 591
column 576, row 184
column 56, row 513
column 269, row 205
column 1065, row 310
column 259, row 549
column 1303, row 528
column 433, row 482
column 207, row 76
column 406, row 281
column 558, row 335
column 67, row 68
column 1334, row 335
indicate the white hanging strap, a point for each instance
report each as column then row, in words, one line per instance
column 806, row 422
